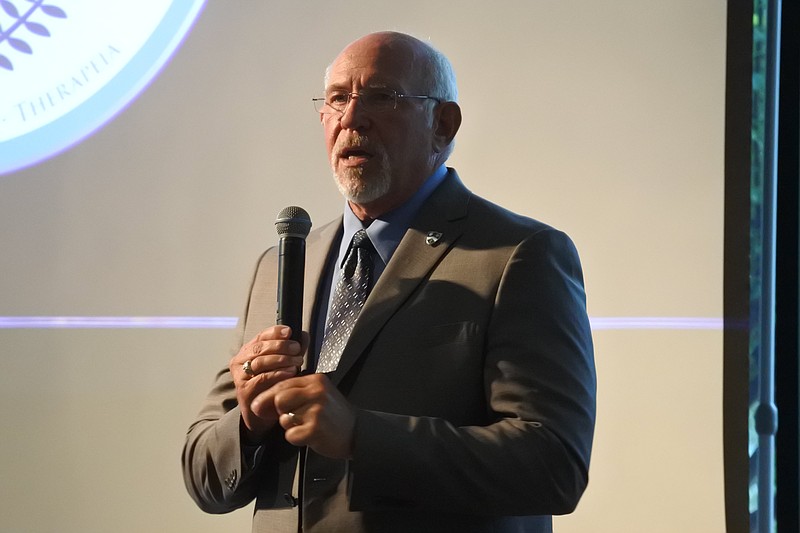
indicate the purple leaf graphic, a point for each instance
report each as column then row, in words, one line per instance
column 9, row 8
column 20, row 45
column 54, row 11
column 38, row 29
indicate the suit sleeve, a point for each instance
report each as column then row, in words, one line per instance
column 220, row 472
column 540, row 386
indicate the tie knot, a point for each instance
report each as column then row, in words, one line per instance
column 359, row 253
column 361, row 240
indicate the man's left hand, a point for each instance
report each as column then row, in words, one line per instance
column 314, row 413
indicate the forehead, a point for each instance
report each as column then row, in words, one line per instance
column 376, row 63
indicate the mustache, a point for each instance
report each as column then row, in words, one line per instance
column 362, row 142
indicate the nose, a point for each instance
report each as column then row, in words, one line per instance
column 353, row 117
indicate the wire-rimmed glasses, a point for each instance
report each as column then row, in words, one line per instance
column 373, row 100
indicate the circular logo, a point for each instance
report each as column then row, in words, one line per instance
column 66, row 68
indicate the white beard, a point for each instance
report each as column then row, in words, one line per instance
column 358, row 191
column 352, row 185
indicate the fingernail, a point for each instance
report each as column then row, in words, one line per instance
column 285, row 332
column 294, row 348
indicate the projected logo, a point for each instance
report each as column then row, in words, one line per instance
column 67, row 67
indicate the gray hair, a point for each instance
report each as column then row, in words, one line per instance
column 438, row 75
column 439, row 81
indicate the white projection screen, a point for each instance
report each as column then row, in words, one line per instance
column 126, row 256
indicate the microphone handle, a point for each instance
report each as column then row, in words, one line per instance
column 291, row 266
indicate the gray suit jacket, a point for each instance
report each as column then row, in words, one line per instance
column 472, row 369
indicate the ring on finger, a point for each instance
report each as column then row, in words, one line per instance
column 247, row 367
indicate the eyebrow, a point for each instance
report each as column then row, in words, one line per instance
column 378, row 85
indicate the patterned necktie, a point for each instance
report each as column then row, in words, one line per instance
column 348, row 299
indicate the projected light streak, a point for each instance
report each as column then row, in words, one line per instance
column 643, row 322
column 224, row 322
column 117, row 322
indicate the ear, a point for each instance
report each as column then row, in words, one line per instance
column 447, row 120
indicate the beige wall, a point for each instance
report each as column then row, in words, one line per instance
column 602, row 118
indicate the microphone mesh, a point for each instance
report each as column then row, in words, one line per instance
column 293, row 221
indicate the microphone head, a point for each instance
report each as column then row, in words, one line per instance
column 293, row 221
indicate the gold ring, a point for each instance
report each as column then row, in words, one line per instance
column 248, row 369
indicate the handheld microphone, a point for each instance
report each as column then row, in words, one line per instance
column 293, row 225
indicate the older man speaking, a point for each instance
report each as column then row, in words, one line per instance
column 446, row 380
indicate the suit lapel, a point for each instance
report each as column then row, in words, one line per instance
column 318, row 246
column 444, row 213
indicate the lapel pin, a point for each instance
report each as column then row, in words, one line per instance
column 432, row 239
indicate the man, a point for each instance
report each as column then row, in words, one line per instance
column 463, row 399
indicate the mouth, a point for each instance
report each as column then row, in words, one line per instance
column 355, row 156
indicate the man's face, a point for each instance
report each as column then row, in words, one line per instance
column 379, row 159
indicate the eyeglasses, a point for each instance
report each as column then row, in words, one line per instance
column 374, row 100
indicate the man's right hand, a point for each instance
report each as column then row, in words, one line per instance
column 273, row 357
